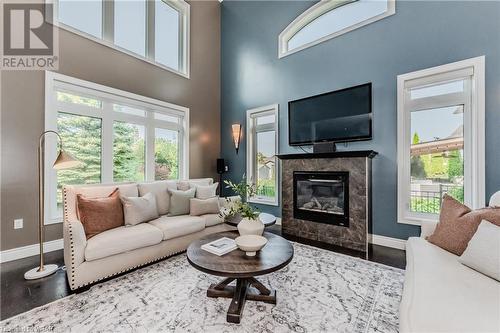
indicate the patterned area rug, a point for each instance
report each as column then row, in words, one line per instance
column 319, row 291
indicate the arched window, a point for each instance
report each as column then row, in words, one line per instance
column 331, row 18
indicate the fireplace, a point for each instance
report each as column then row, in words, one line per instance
column 321, row 197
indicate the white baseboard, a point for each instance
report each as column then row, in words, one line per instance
column 395, row 243
column 30, row 250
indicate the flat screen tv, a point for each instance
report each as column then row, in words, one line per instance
column 338, row 116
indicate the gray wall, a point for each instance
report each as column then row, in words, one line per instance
column 420, row 35
column 22, row 111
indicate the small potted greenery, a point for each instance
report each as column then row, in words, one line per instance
column 241, row 211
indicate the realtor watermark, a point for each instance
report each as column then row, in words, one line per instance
column 30, row 39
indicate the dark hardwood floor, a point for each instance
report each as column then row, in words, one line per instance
column 19, row 295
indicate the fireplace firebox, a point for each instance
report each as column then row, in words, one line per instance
column 321, row 196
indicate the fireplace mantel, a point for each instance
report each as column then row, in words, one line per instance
column 337, row 154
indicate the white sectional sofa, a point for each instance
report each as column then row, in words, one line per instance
column 442, row 295
column 121, row 249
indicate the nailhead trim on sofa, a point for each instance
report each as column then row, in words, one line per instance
column 126, row 270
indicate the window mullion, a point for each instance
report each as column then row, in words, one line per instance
column 182, row 42
column 107, row 144
column 150, row 29
column 108, row 20
column 469, row 144
column 150, row 147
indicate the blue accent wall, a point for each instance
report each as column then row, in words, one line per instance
column 420, row 35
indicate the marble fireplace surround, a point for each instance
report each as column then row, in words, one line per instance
column 358, row 164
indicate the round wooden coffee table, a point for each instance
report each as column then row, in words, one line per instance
column 235, row 265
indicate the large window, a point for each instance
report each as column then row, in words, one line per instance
column 118, row 137
column 156, row 31
column 329, row 19
column 262, row 147
column 440, row 139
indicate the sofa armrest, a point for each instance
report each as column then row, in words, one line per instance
column 75, row 242
column 427, row 228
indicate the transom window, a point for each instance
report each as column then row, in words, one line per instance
column 118, row 137
column 156, row 31
column 262, row 147
column 440, row 139
column 329, row 19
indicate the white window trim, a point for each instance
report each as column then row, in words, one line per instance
column 316, row 11
column 474, row 139
column 108, row 36
column 54, row 81
column 251, row 148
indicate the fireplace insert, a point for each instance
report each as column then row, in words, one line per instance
column 321, row 196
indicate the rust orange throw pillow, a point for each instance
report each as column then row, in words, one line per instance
column 458, row 223
column 100, row 214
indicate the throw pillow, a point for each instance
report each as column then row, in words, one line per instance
column 204, row 206
column 183, row 186
column 139, row 209
column 160, row 190
column 100, row 214
column 483, row 252
column 458, row 223
column 179, row 201
column 205, row 192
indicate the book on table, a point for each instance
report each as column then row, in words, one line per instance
column 220, row 246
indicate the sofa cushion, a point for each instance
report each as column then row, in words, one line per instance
column 160, row 191
column 179, row 201
column 442, row 295
column 185, row 185
column 212, row 219
column 122, row 239
column 100, row 214
column 139, row 209
column 176, row 226
column 458, row 223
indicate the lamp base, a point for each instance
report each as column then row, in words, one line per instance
column 33, row 274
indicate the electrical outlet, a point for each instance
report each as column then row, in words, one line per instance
column 18, row 223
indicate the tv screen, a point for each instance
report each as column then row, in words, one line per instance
column 337, row 116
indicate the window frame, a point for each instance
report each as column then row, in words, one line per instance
column 251, row 148
column 314, row 12
column 107, row 39
column 108, row 96
column 473, row 122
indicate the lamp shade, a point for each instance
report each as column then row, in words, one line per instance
column 65, row 161
column 236, row 136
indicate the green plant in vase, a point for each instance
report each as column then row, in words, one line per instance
column 241, row 210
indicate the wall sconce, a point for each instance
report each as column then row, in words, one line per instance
column 236, row 136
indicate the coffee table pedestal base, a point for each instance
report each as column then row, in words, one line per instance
column 248, row 289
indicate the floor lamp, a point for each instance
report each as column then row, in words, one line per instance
column 63, row 161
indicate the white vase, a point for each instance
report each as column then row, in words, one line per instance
column 250, row 227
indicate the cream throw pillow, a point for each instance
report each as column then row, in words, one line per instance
column 204, row 206
column 483, row 251
column 205, row 192
column 179, row 201
column 160, row 191
column 139, row 209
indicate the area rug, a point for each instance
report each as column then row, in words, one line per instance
column 319, row 291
